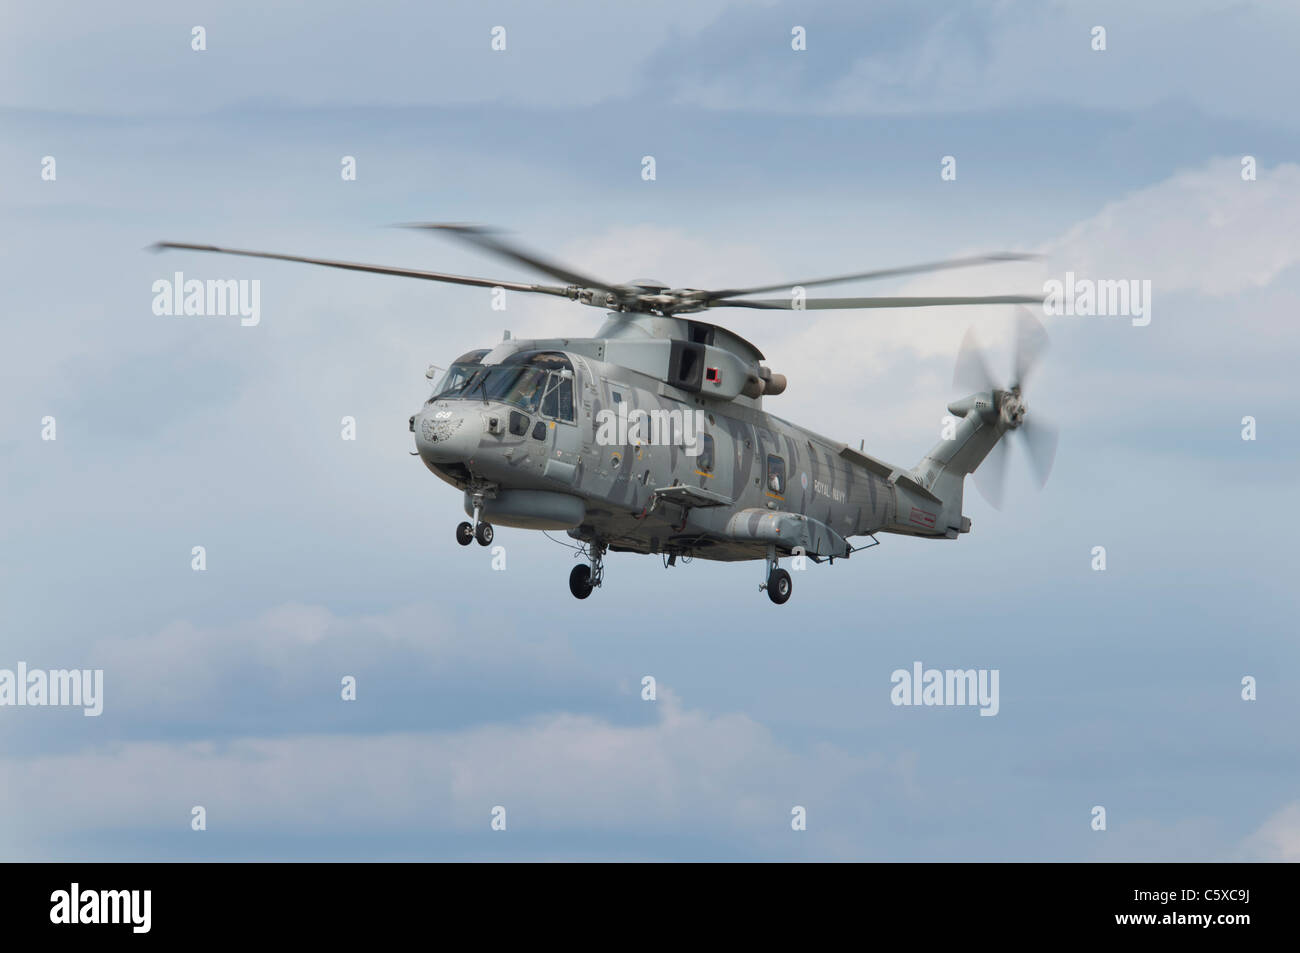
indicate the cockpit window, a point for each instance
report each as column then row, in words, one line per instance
column 515, row 384
column 454, row 380
column 519, row 386
column 530, row 381
column 558, row 400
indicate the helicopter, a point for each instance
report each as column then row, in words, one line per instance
column 651, row 436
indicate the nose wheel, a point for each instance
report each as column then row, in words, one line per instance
column 467, row 532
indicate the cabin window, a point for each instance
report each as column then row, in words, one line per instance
column 775, row 475
column 539, row 431
column 704, row 461
column 518, row 423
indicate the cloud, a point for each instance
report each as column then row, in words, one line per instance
column 72, row 57
column 1201, row 233
column 724, row 777
column 891, row 59
column 422, row 666
column 1277, row 839
column 1203, row 230
column 880, row 59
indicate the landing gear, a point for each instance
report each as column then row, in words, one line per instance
column 583, row 579
column 580, row 581
column 778, row 585
column 466, row 533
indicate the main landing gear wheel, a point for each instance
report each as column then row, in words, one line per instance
column 585, row 577
column 580, row 581
column 779, row 586
column 483, row 534
column 464, row 534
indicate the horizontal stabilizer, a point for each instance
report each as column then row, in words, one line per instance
column 867, row 462
column 886, row 472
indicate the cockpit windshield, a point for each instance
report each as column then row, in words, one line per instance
column 511, row 384
column 544, row 385
column 454, row 378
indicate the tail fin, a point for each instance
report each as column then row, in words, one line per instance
column 942, row 472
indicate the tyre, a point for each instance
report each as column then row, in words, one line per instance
column 779, row 586
column 464, row 534
column 580, row 581
column 484, row 534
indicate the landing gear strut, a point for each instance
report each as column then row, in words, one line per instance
column 778, row 584
column 468, row 532
column 583, row 579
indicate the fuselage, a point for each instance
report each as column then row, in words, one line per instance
column 574, row 436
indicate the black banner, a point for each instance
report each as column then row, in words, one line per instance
column 143, row 902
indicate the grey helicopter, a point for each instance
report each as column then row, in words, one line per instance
column 651, row 436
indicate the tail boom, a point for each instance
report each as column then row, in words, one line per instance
column 930, row 502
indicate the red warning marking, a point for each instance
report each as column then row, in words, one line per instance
column 922, row 518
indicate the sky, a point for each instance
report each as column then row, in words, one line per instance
column 481, row 688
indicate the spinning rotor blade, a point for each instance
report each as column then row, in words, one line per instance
column 667, row 301
column 1040, row 439
column 376, row 269
column 991, row 475
column 823, row 304
column 486, row 239
column 711, row 296
column 971, row 373
column 1031, row 342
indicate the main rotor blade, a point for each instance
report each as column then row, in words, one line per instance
column 878, row 273
column 487, row 239
column 1041, row 439
column 971, row 374
column 823, row 304
column 376, row 269
column 1031, row 342
column 991, row 474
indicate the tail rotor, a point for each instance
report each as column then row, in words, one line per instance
column 1007, row 406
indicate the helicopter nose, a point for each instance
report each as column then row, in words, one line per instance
column 446, row 436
